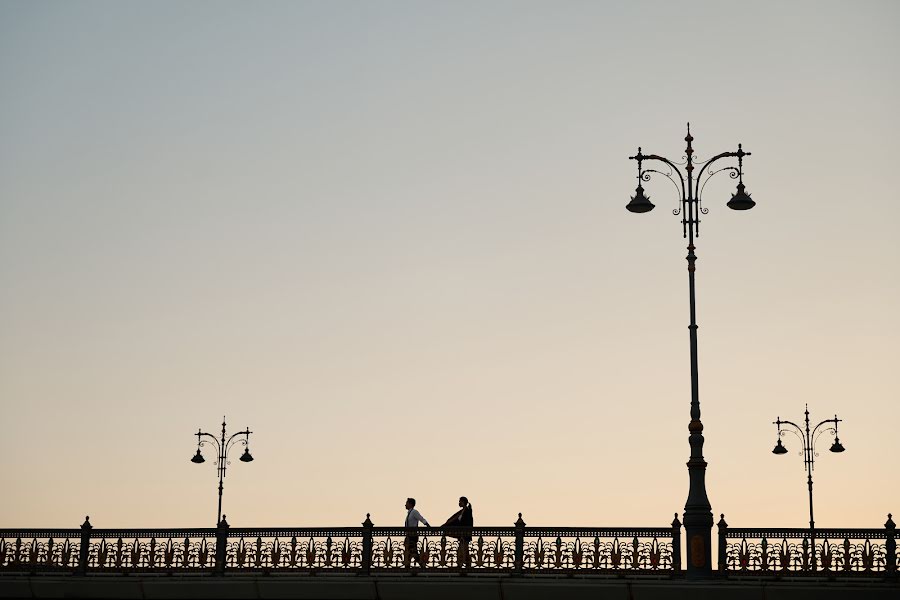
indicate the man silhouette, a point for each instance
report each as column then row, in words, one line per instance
column 411, row 543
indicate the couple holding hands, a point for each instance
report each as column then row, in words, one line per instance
column 462, row 518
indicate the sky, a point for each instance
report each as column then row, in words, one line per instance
column 391, row 239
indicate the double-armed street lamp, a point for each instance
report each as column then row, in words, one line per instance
column 222, row 447
column 808, row 441
column 698, row 518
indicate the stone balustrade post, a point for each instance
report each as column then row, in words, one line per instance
column 84, row 547
column 519, row 562
column 723, row 546
column 676, row 545
column 890, row 545
column 221, row 546
column 367, row 543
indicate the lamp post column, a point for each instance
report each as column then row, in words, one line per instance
column 810, row 461
column 222, row 458
column 698, row 517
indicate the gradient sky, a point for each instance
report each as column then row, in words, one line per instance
column 390, row 238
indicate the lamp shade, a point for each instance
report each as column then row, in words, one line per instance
column 246, row 456
column 198, row 458
column 741, row 200
column 639, row 202
column 837, row 446
column 779, row 448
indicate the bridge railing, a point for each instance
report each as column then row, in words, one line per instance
column 55, row 550
column 516, row 550
column 833, row 552
column 361, row 550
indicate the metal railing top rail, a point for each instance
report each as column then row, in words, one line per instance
column 154, row 532
column 295, row 531
column 804, row 532
column 602, row 531
column 481, row 530
column 502, row 531
column 39, row 533
column 237, row 532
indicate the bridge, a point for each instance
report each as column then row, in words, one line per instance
column 516, row 561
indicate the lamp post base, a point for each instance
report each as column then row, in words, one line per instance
column 698, row 518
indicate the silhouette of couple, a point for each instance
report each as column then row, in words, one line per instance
column 462, row 518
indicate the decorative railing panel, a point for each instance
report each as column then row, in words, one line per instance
column 637, row 549
column 444, row 549
column 333, row 549
column 800, row 551
column 167, row 550
column 36, row 550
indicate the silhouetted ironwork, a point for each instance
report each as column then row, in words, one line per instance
column 509, row 551
column 783, row 551
column 698, row 518
column 363, row 550
column 808, row 441
column 222, row 448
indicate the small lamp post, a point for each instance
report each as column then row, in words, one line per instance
column 222, row 448
column 808, row 441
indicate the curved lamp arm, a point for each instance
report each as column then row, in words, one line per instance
column 642, row 157
column 836, row 446
column 739, row 154
column 835, row 420
column 200, row 442
column 232, row 441
column 798, row 431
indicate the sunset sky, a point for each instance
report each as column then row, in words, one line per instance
column 390, row 238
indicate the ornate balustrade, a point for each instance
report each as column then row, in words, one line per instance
column 150, row 550
column 52, row 550
column 799, row 551
column 517, row 550
column 360, row 550
column 635, row 549
column 107, row 550
column 287, row 549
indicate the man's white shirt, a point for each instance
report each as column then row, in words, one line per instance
column 413, row 518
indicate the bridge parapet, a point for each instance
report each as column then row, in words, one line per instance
column 497, row 551
column 829, row 552
column 513, row 551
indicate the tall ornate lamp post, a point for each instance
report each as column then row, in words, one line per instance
column 698, row 519
column 222, row 447
column 808, row 441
